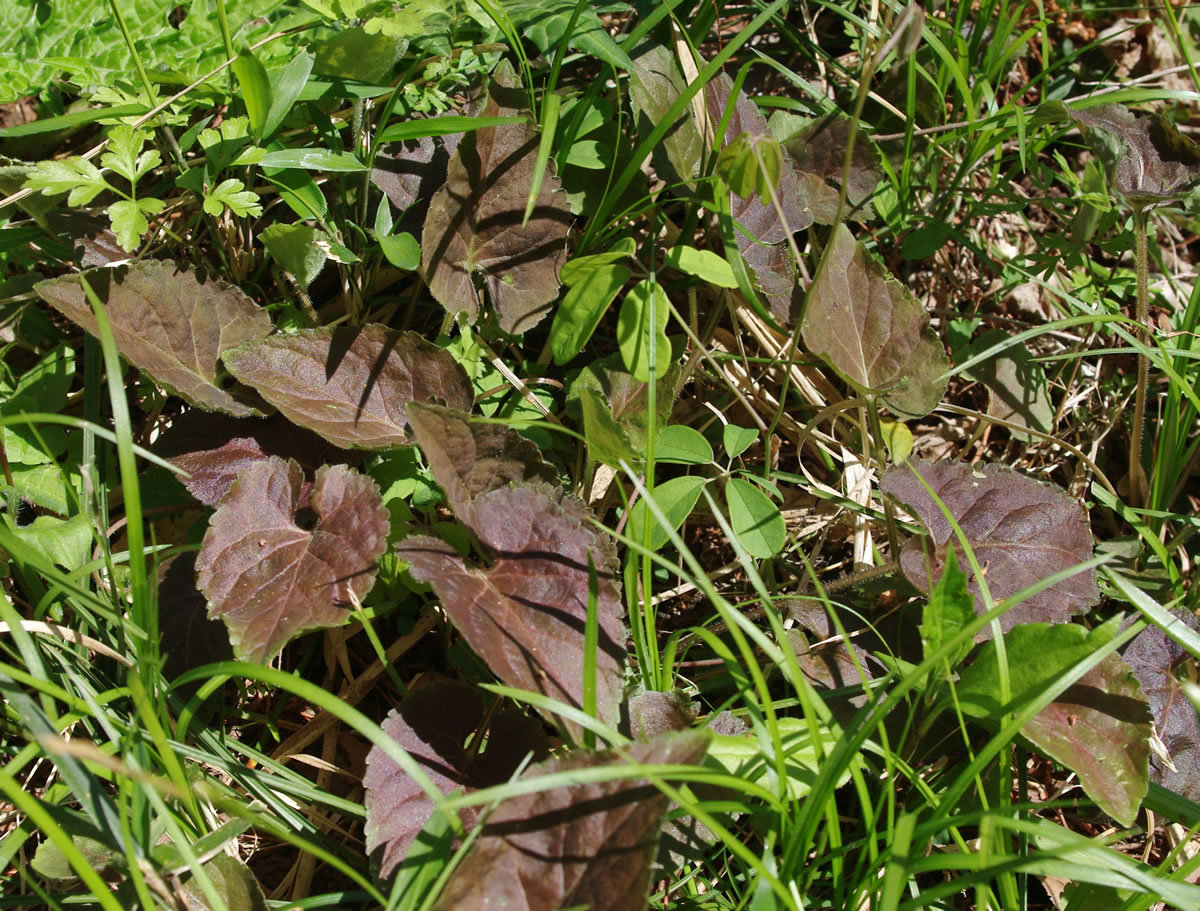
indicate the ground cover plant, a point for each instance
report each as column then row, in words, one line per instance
column 568, row 455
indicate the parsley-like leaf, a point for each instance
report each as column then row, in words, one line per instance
column 129, row 220
column 79, row 177
column 232, row 193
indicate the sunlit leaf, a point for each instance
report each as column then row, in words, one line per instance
column 171, row 323
column 1020, row 530
column 278, row 559
column 755, row 519
column 352, row 385
column 654, row 85
column 817, row 150
column 642, row 330
column 524, row 614
column 873, row 331
column 676, row 498
column 585, row 845
column 474, row 226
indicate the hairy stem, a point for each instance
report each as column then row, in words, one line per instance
column 1139, row 488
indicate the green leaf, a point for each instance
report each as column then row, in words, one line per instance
column 286, row 86
column 641, row 326
column 441, row 126
column 676, row 498
column 401, row 250
column 312, row 160
column 584, row 305
column 1098, row 728
column 704, row 264
column 74, row 119
column 129, row 220
column 62, row 542
column 80, row 178
column 354, row 54
column 124, row 144
column 745, row 758
column 590, row 154
column 682, row 445
column 577, row 269
column 755, row 520
column 737, row 439
column 544, row 22
column 899, row 440
column 1017, row 387
column 232, row 193
column 547, row 128
column 951, row 607
column 751, row 165
column 256, row 90
column 294, row 247
column 299, row 191
column 607, row 442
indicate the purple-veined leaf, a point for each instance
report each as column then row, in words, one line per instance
column 351, row 386
column 474, row 225
column 525, row 613
column 169, row 322
column 873, row 331
column 585, row 845
column 435, row 725
column 1099, row 727
column 412, row 170
column 469, row 458
column 213, row 448
column 1156, row 660
column 1022, row 531
column 270, row 572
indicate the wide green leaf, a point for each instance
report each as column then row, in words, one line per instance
column 642, row 329
column 755, row 519
column 676, row 498
column 582, row 308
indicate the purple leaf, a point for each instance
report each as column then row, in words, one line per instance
column 652, row 713
column 474, row 226
column 351, row 386
column 871, row 329
column 1021, row 531
column 817, row 149
column 412, row 170
column 470, row 458
column 1156, row 660
column 213, row 448
column 586, row 845
column 189, row 637
column 525, row 613
column 434, row 725
column 268, row 577
column 169, row 322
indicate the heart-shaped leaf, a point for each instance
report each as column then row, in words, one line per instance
column 469, row 458
column 1157, row 660
column 352, row 386
column 269, row 574
column 1022, row 531
column 585, row 845
column 1099, row 727
column 213, row 448
column 474, row 226
column 169, row 322
column 525, row 613
column 434, row 726
column 873, row 331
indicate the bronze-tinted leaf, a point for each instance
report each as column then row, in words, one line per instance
column 434, row 726
column 170, row 322
column 525, row 613
column 1022, row 531
column 655, row 83
column 1147, row 158
column 213, row 448
column 474, row 226
column 411, row 171
column 469, row 458
column 1099, row 727
column 652, row 713
column 352, row 386
column 817, row 148
column 1157, row 660
column 275, row 563
column 587, row 845
column 1017, row 388
column 872, row 331
column 189, row 636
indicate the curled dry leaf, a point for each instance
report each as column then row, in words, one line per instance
column 586, row 845
column 171, row 323
column 434, row 726
column 1157, row 660
column 525, row 613
column 872, row 331
column 474, row 226
column 1022, row 531
column 213, row 448
column 469, row 458
column 269, row 573
column 352, row 385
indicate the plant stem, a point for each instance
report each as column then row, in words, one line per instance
column 1139, row 488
